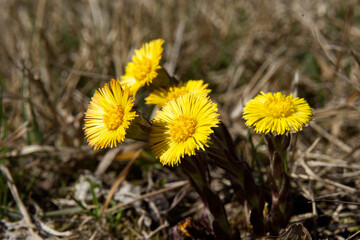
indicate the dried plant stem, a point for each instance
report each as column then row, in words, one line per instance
column 14, row 192
column 147, row 195
column 119, row 180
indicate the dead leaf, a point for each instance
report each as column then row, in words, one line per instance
column 295, row 232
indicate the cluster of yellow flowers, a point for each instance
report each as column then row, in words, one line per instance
column 182, row 125
column 186, row 116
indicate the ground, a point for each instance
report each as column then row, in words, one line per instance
column 55, row 54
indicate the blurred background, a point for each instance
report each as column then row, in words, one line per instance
column 55, row 54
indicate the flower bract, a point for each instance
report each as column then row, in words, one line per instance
column 162, row 96
column 143, row 68
column 182, row 126
column 277, row 113
column 108, row 116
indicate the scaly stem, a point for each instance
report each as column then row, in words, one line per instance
column 197, row 172
column 279, row 182
column 222, row 154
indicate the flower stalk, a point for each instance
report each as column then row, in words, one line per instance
column 224, row 156
column 279, row 182
column 198, row 173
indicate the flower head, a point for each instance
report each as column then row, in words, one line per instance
column 108, row 116
column 182, row 126
column 142, row 70
column 162, row 96
column 277, row 113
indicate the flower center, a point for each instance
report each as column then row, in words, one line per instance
column 279, row 106
column 182, row 128
column 176, row 92
column 143, row 69
column 113, row 117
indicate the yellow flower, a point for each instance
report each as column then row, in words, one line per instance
column 182, row 126
column 277, row 113
column 162, row 96
column 142, row 70
column 108, row 116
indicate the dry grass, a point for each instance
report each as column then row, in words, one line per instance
column 55, row 53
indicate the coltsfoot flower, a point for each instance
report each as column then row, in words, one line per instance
column 277, row 113
column 162, row 96
column 183, row 126
column 108, row 116
column 142, row 70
